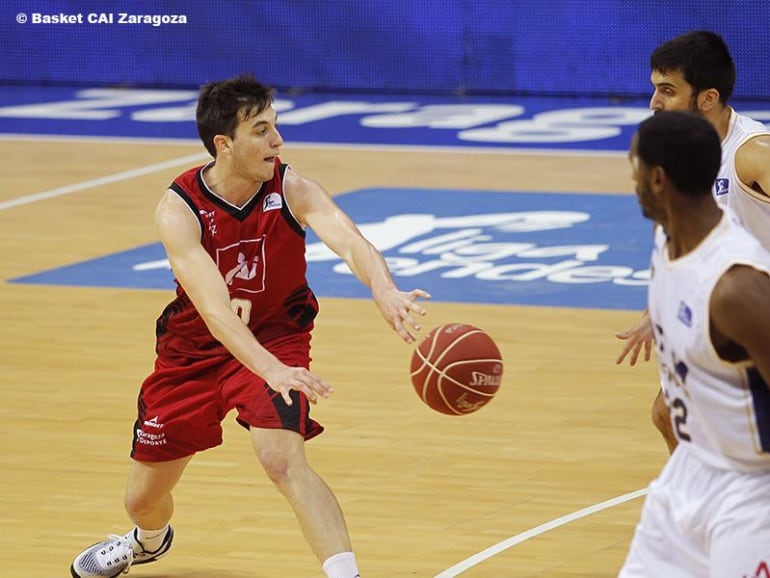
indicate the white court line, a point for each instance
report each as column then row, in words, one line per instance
column 27, row 199
column 461, row 567
column 125, row 175
column 487, row 150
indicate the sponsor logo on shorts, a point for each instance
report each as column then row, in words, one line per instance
column 154, row 423
column 150, row 439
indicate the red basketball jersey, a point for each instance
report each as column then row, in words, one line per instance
column 260, row 251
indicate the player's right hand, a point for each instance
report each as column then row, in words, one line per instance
column 399, row 307
column 284, row 378
column 638, row 337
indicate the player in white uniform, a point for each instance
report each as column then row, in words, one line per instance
column 695, row 72
column 746, row 140
column 708, row 513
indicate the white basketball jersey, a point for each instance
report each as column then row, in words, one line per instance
column 720, row 409
column 751, row 208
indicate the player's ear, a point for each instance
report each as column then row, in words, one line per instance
column 657, row 179
column 707, row 99
column 223, row 144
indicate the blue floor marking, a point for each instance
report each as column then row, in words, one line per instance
column 518, row 248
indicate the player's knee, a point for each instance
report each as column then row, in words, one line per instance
column 275, row 463
column 138, row 504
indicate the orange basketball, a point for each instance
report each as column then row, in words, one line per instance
column 456, row 369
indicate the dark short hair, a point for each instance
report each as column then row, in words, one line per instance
column 223, row 104
column 703, row 59
column 685, row 145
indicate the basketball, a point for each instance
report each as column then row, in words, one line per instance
column 456, row 369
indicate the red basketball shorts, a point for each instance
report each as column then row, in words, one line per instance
column 182, row 403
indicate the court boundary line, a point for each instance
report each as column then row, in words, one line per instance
column 99, row 181
column 495, row 549
column 149, row 169
column 494, row 150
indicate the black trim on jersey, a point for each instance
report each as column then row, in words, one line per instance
column 240, row 214
column 186, row 198
column 285, row 212
column 174, row 308
column 302, row 306
column 141, row 411
column 290, row 416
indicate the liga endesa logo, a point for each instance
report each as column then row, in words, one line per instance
column 476, row 246
column 464, row 246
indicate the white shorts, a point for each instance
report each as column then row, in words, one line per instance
column 701, row 522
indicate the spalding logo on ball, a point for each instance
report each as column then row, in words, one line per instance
column 456, row 369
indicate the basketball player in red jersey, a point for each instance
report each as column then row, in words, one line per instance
column 237, row 336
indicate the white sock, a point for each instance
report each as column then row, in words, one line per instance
column 150, row 539
column 342, row 565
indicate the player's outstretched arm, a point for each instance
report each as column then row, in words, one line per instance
column 179, row 231
column 740, row 313
column 313, row 207
column 637, row 338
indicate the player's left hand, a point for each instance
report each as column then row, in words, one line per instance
column 638, row 337
column 399, row 307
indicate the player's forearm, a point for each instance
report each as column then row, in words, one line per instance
column 369, row 266
column 238, row 339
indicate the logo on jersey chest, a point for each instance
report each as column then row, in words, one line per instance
column 684, row 314
column 272, row 202
column 243, row 265
column 721, row 187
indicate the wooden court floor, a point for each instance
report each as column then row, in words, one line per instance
column 422, row 492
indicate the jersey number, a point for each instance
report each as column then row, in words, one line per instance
column 242, row 308
column 679, row 414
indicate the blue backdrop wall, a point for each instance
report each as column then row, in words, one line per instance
column 558, row 47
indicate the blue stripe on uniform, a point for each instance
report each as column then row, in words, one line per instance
column 760, row 394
